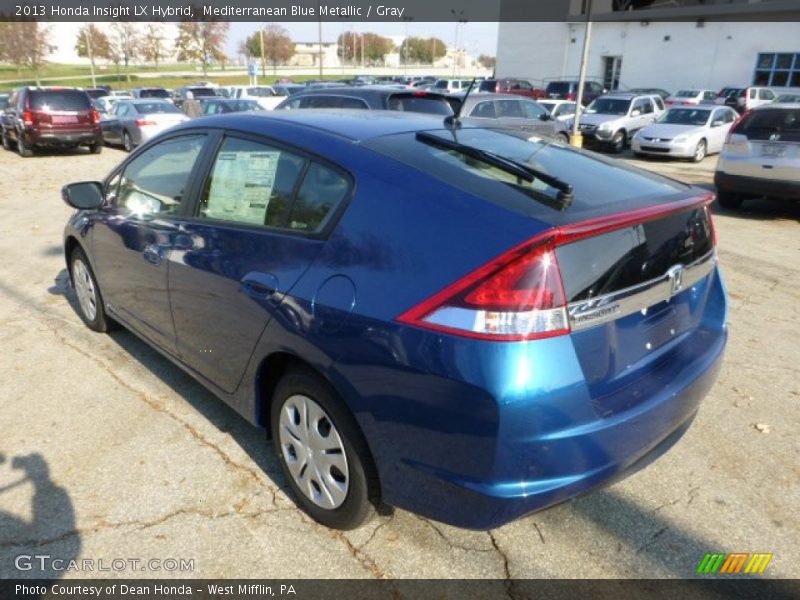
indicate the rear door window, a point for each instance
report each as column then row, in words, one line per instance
column 484, row 110
column 251, row 183
column 256, row 183
column 71, row 100
column 510, row 109
column 533, row 110
column 154, row 183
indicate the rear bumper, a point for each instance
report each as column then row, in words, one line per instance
column 741, row 184
column 478, row 435
column 59, row 139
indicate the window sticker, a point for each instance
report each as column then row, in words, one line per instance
column 241, row 186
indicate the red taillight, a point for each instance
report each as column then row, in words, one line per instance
column 143, row 122
column 95, row 117
column 571, row 96
column 27, row 117
column 518, row 296
column 419, row 93
column 736, row 124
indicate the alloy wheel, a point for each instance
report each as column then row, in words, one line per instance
column 313, row 452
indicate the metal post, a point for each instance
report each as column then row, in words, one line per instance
column 263, row 58
column 576, row 139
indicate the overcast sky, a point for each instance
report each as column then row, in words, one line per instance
column 478, row 38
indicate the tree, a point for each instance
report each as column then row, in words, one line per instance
column 376, row 47
column 278, row 47
column 201, row 42
column 153, row 48
column 422, row 50
column 25, row 45
column 124, row 45
column 488, row 62
column 92, row 43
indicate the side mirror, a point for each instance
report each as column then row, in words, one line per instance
column 636, row 113
column 84, row 195
column 717, row 123
column 544, row 117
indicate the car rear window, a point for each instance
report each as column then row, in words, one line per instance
column 198, row 92
column 779, row 124
column 151, row 108
column 599, row 184
column 154, row 94
column 687, row 94
column 488, row 85
column 59, row 100
column 433, row 104
column 558, row 87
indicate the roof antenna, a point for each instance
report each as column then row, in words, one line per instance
column 451, row 121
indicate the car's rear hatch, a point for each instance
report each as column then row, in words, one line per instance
column 766, row 144
column 61, row 111
column 634, row 253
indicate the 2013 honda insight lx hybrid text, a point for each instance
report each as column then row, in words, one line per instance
column 457, row 321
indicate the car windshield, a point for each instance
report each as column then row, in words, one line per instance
column 59, row 100
column 687, row 94
column 731, row 92
column 609, row 106
column 151, row 108
column 558, row 87
column 778, row 124
column 154, row 94
column 684, row 116
column 487, row 86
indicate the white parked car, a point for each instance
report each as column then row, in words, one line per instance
column 265, row 95
column 449, row 86
column 686, row 132
column 761, row 156
column 560, row 110
column 691, row 97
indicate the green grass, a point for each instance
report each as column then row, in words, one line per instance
column 82, row 77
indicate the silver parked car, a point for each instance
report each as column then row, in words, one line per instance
column 691, row 97
column 133, row 122
column 513, row 112
column 686, row 132
column 761, row 156
column 611, row 120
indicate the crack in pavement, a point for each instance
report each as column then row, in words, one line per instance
column 509, row 583
column 692, row 494
column 139, row 524
column 539, row 531
column 448, row 541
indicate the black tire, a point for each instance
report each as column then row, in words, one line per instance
column 700, row 151
column 618, row 142
column 95, row 148
column 100, row 321
column 640, row 155
column 563, row 138
column 127, row 142
column 22, row 147
column 6, row 140
column 729, row 200
column 363, row 490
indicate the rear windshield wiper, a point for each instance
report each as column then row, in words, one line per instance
column 508, row 165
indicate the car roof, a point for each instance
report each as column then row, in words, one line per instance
column 355, row 125
column 473, row 98
column 773, row 105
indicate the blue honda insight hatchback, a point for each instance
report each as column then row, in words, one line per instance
column 458, row 321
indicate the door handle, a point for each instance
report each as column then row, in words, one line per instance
column 152, row 254
column 259, row 285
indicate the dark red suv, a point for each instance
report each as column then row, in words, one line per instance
column 520, row 87
column 50, row 117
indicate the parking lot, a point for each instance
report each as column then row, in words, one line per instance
column 108, row 451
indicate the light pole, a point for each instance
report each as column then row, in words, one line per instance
column 89, row 51
column 320, row 48
column 460, row 22
column 576, row 139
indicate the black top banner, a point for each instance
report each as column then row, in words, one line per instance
column 395, row 10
